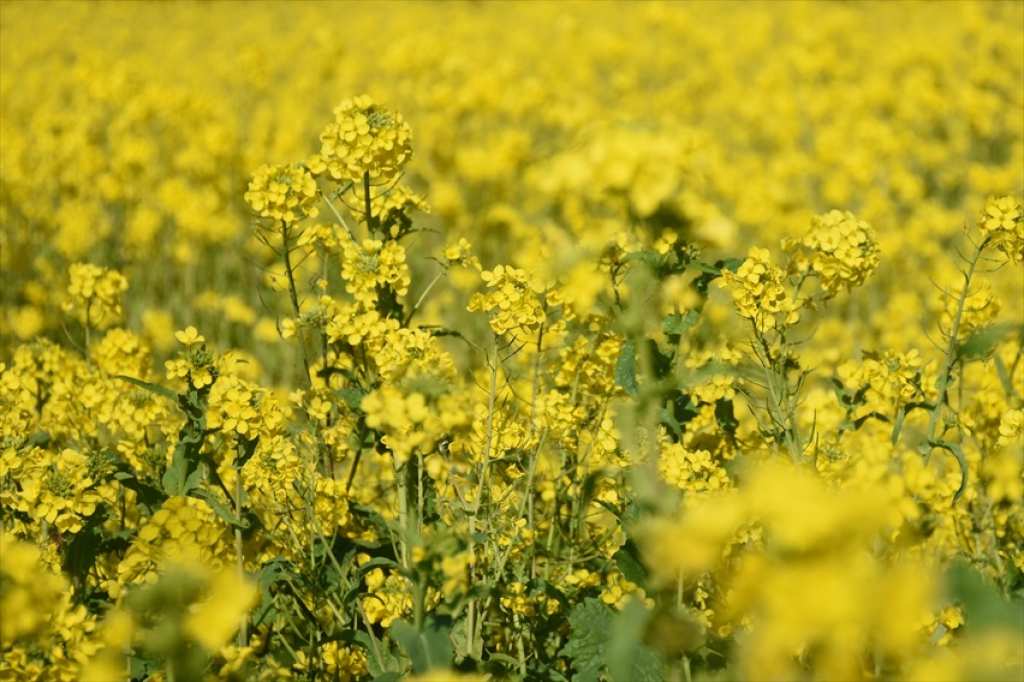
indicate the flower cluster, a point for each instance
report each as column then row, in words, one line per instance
column 364, row 139
column 512, row 303
column 94, row 295
column 840, row 250
column 1002, row 221
column 760, row 294
column 558, row 429
column 284, row 194
column 371, row 265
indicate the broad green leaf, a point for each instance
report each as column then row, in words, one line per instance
column 426, row 649
column 353, row 397
column 626, row 657
column 589, row 624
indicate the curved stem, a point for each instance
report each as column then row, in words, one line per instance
column 952, row 357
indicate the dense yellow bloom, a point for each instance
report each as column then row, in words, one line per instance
column 217, row 616
column 285, row 194
column 28, row 596
column 759, row 292
column 372, row 265
column 511, row 301
column 364, row 138
column 840, row 250
column 498, row 435
column 60, row 491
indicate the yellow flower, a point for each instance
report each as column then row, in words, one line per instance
column 212, row 621
column 189, row 336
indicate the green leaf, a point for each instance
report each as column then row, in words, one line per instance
column 627, row 559
column 626, row 657
column 194, row 479
column 709, row 273
column 504, row 659
column 651, row 258
column 426, row 649
column 985, row 607
column 352, row 396
column 156, row 389
column 438, row 643
column 725, row 415
column 625, row 368
column 679, row 324
column 589, row 624
column 84, row 547
column 147, row 495
column 173, row 479
column 980, row 344
column 39, row 439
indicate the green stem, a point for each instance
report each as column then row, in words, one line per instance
column 293, row 292
column 951, row 356
column 367, row 204
column 243, row 630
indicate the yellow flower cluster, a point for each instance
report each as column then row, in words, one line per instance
column 284, row 194
column 183, row 530
column 94, row 295
column 813, row 544
column 692, row 471
column 1003, row 222
column 760, row 294
column 29, row 593
column 408, row 424
column 364, row 138
column 557, row 427
column 388, row 597
column 512, row 303
column 43, row 634
column 978, row 310
column 841, row 251
column 372, row 265
column 59, row 490
column 884, row 384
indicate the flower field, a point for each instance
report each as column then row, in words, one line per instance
column 590, row 342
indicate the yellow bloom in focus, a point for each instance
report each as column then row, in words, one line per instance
column 1003, row 222
column 189, row 336
column 285, row 194
column 364, row 138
